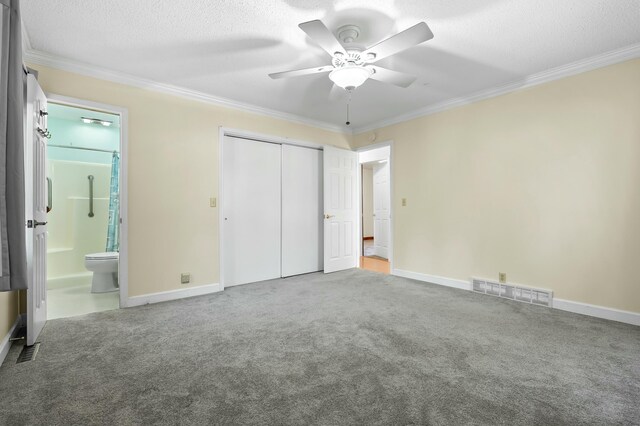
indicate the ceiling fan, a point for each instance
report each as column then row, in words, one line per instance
column 351, row 67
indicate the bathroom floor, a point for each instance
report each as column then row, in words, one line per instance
column 76, row 299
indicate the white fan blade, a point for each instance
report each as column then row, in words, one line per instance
column 296, row 73
column 392, row 77
column 417, row 34
column 322, row 36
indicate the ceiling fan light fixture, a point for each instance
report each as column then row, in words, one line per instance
column 350, row 77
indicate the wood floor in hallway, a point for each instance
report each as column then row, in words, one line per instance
column 375, row 264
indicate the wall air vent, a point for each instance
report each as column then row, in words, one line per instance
column 535, row 296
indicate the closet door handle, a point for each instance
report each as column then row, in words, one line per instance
column 328, row 216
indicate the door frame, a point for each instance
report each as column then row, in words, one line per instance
column 360, row 150
column 123, row 258
column 243, row 134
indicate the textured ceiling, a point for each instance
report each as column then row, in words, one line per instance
column 226, row 48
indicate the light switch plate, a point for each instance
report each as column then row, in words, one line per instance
column 212, row 202
column 404, row 202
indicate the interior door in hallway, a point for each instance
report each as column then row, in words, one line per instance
column 381, row 215
column 36, row 208
column 301, row 210
column 251, row 216
column 340, row 207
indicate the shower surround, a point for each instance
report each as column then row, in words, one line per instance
column 72, row 232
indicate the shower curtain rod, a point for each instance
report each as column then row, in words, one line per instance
column 79, row 147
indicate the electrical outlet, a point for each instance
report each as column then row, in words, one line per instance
column 212, row 202
column 502, row 276
column 185, row 278
column 404, row 202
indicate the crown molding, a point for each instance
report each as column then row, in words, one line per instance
column 65, row 64
column 574, row 68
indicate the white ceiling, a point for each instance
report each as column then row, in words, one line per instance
column 226, row 48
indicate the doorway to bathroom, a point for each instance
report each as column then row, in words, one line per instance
column 85, row 187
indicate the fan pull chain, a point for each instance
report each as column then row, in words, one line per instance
column 348, row 103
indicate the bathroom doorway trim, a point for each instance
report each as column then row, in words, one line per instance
column 123, row 258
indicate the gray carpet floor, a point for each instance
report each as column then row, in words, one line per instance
column 352, row 347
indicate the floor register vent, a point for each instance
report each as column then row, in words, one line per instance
column 28, row 353
column 519, row 293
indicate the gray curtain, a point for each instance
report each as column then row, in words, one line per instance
column 13, row 262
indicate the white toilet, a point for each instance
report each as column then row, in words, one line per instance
column 105, row 271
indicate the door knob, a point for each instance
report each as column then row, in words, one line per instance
column 328, row 216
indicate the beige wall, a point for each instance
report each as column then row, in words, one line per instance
column 8, row 311
column 543, row 184
column 173, row 170
column 367, row 202
column 540, row 183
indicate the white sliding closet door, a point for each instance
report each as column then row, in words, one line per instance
column 302, row 229
column 252, row 196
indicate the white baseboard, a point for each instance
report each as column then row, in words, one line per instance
column 448, row 282
column 5, row 343
column 564, row 305
column 166, row 296
column 597, row 311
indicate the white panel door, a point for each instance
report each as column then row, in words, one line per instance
column 381, row 212
column 36, row 208
column 251, row 211
column 340, row 207
column 301, row 210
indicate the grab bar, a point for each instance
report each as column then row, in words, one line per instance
column 49, row 195
column 90, row 177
